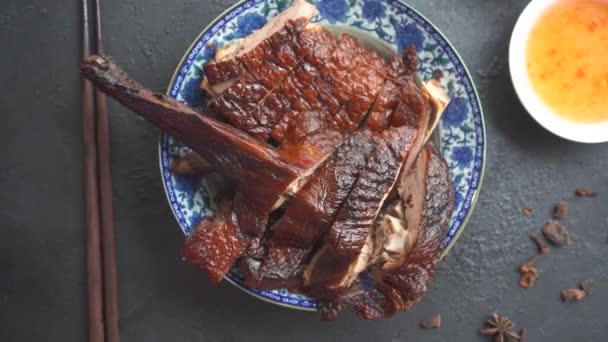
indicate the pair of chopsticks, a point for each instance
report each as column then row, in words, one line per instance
column 101, row 255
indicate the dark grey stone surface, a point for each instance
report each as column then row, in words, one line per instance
column 42, row 287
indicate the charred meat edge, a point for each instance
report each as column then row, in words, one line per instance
column 398, row 289
column 232, row 52
column 254, row 165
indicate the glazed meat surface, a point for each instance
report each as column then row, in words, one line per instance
column 334, row 191
column 311, row 212
column 232, row 61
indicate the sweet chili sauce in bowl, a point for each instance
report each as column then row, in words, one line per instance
column 558, row 60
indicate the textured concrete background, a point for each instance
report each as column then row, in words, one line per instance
column 42, row 288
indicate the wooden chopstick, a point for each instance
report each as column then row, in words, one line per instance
column 110, row 293
column 91, row 197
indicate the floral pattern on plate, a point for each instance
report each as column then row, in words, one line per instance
column 461, row 132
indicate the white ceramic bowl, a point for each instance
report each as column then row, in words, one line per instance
column 580, row 132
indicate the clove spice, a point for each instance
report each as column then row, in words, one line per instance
column 529, row 274
column 573, row 295
column 556, row 233
column 433, row 322
column 541, row 245
column 585, row 192
column 561, row 211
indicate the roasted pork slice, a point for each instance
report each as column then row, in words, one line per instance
column 351, row 228
column 342, row 82
column 405, row 109
column 232, row 61
column 411, row 278
column 396, row 229
column 402, row 89
column 268, row 109
column 336, row 78
column 216, row 243
column 311, row 212
column 346, row 252
column 266, row 176
column 399, row 288
column 239, row 102
column 290, row 228
column 258, row 168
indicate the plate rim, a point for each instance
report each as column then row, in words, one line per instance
column 483, row 157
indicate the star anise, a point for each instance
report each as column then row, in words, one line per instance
column 501, row 327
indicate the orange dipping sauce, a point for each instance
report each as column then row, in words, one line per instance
column 567, row 59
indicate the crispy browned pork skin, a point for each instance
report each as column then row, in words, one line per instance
column 308, row 215
column 424, row 223
column 250, row 162
column 276, row 58
column 367, row 230
column 329, row 90
column 309, row 109
column 297, row 68
column 216, row 243
column 264, row 174
column 232, row 61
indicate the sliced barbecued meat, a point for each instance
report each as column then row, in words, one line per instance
column 310, row 213
column 405, row 109
column 231, row 61
column 289, row 238
column 266, row 176
column 332, row 175
column 216, row 243
column 411, row 278
column 337, row 80
column 238, row 103
column 396, row 229
column 342, row 82
column 398, row 288
column 314, row 132
column 251, row 163
column 346, row 252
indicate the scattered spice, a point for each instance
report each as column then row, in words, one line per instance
column 528, row 272
column 573, row 295
column 528, row 212
column 528, row 265
column 541, row 245
column 501, row 327
column 556, row 233
column 561, row 211
column 523, row 335
column 586, row 285
column 528, row 278
column 433, row 322
column 585, row 192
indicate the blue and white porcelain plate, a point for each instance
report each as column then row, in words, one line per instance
column 461, row 132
